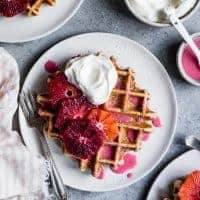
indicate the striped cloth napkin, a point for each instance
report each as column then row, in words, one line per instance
column 22, row 174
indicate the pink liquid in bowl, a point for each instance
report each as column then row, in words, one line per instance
column 190, row 62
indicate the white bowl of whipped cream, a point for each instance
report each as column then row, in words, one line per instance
column 151, row 11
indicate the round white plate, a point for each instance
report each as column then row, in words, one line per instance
column 178, row 168
column 150, row 74
column 22, row 28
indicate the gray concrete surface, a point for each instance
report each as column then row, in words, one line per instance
column 112, row 16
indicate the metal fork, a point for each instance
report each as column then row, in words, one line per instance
column 192, row 142
column 28, row 106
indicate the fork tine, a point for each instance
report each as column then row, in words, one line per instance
column 32, row 100
column 23, row 104
column 28, row 104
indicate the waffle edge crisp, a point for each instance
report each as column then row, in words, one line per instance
column 33, row 8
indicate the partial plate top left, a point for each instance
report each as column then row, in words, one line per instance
column 22, row 28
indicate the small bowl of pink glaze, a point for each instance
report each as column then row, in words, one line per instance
column 187, row 62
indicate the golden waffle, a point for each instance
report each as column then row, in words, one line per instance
column 46, row 113
column 35, row 5
column 175, row 189
column 122, row 142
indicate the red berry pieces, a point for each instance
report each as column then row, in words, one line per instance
column 10, row 8
column 59, row 88
column 51, row 66
column 82, row 138
column 72, row 108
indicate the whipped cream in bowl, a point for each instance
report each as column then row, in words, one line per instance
column 94, row 75
column 152, row 11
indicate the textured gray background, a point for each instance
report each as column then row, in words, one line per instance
column 112, row 16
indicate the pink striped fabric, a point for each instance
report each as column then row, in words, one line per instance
column 22, row 174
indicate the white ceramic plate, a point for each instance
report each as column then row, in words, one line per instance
column 22, row 28
column 178, row 168
column 150, row 75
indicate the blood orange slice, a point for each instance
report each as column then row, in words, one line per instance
column 190, row 189
column 82, row 138
column 104, row 121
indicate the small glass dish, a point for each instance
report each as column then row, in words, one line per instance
column 180, row 64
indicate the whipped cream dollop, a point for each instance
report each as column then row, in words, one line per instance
column 94, row 75
column 154, row 10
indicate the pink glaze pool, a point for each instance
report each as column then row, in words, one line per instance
column 190, row 63
column 107, row 152
column 156, row 122
column 129, row 161
column 101, row 174
column 145, row 136
column 136, row 101
column 132, row 134
column 123, row 118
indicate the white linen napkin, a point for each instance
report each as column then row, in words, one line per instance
column 22, row 174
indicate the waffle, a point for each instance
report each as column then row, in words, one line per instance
column 35, row 5
column 175, row 189
column 122, row 144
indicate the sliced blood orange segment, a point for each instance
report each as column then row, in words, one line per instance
column 104, row 121
column 82, row 138
column 190, row 189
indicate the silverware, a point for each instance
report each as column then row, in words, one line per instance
column 28, row 105
column 193, row 142
column 170, row 12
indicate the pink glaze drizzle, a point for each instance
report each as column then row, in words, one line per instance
column 190, row 63
column 156, row 122
column 131, row 135
column 101, row 174
column 129, row 162
column 145, row 136
column 111, row 103
column 51, row 66
column 119, row 85
column 136, row 101
column 107, row 152
column 139, row 120
column 122, row 118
